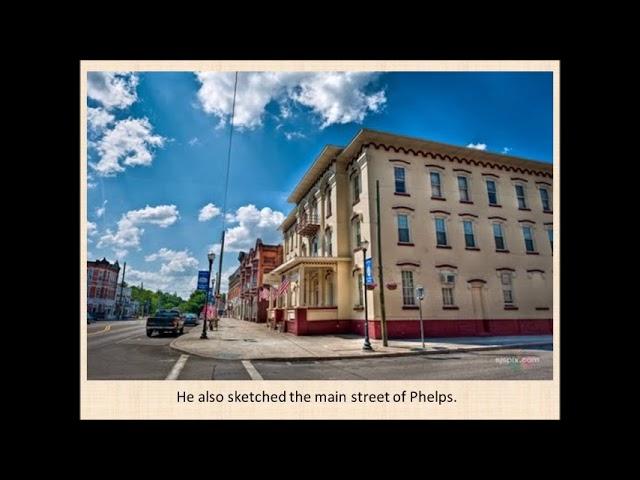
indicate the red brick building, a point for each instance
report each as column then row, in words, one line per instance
column 102, row 279
column 259, row 261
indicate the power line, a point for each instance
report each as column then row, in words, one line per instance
column 226, row 187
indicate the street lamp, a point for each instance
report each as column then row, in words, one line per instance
column 367, row 344
column 211, row 256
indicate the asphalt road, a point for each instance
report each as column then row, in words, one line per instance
column 122, row 351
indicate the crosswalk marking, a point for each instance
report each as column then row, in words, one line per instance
column 177, row 368
column 251, row 370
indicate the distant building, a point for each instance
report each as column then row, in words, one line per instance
column 123, row 301
column 233, row 294
column 258, row 262
column 102, row 278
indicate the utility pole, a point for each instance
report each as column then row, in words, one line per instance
column 383, row 313
column 124, row 270
column 217, row 297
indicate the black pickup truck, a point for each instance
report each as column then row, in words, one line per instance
column 166, row 321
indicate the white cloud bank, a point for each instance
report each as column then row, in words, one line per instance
column 118, row 143
column 336, row 97
column 129, row 231
column 112, row 89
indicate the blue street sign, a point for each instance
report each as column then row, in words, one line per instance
column 203, row 280
column 368, row 271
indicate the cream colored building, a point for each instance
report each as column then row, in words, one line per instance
column 474, row 228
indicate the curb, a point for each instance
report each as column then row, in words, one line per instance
column 376, row 355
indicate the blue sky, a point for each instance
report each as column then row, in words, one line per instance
column 158, row 147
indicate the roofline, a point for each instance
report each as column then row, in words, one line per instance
column 307, row 174
column 501, row 156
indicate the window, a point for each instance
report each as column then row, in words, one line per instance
column 447, row 296
column 327, row 243
column 463, row 188
column 327, row 199
column 403, row 229
column 436, row 185
column 314, row 246
column 441, row 232
column 498, row 236
column 401, row 186
column 469, row 237
column 506, row 279
column 356, row 233
column 314, row 212
column 360, row 287
column 550, row 236
column 492, row 192
column 355, row 187
column 520, row 194
column 408, row 292
column 527, row 233
column 544, row 197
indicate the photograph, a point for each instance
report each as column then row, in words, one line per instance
column 296, row 224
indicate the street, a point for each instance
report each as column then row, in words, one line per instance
column 120, row 350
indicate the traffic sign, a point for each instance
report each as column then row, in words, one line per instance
column 420, row 293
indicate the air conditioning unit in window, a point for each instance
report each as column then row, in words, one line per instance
column 447, row 278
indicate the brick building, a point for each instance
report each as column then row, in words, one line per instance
column 254, row 264
column 102, row 279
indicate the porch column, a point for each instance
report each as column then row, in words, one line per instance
column 321, row 300
column 301, row 286
column 321, row 232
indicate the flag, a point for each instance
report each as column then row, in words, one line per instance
column 284, row 286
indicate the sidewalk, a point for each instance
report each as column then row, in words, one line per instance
column 243, row 340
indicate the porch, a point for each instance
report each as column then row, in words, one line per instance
column 310, row 304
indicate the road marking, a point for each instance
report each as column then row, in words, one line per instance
column 177, row 368
column 106, row 329
column 251, row 370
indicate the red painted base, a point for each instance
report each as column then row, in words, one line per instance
column 411, row 328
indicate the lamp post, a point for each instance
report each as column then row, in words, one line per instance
column 211, row 256
column 367, row 344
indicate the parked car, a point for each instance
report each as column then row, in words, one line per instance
column 190, row 319
column 166, row 321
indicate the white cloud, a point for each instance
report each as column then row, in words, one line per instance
column 194, row 141
column 174, row 263
column 253, row 224
column 130, row 142
column 112, row 89
column 337, row 97
column 292, row 135
column 208, row 212
column 506, row 150
column 183, row 285
column 478, row 146
column 129, row 232
column 92, row 228
column 100, row 211
column 98, row 119
column 215, row 248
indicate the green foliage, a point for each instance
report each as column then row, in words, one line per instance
column 153, row 301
